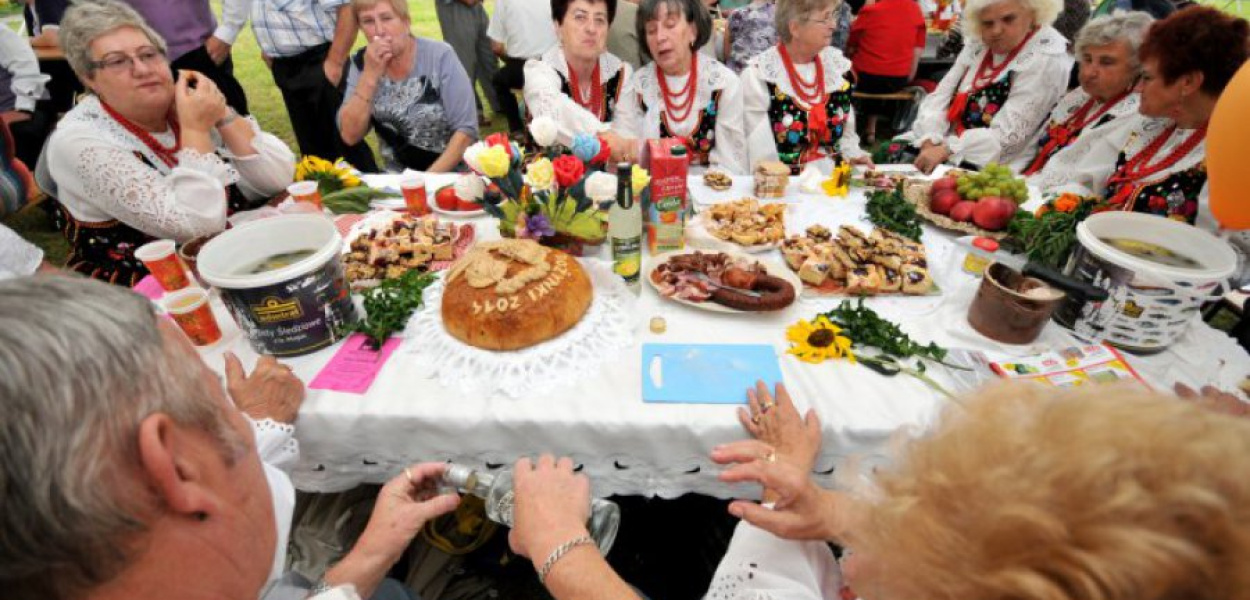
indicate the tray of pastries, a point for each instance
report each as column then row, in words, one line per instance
column 388, row 244
column 852, row 263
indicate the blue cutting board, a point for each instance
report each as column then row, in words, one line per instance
column 706, row 373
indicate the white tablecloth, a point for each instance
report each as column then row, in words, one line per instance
column 630, row 447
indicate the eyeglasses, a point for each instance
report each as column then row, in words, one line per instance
column 119, row 62
column 830, row 21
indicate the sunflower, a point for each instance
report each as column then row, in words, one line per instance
column 330, row 177
column 817, row 341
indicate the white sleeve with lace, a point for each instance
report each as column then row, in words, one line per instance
column 18, row 257
column 275, row 442
column 931, row 123
column 268, row 170
column 761, row 566
column 98, row 180
column 629, row 111
column 761, row 145
column 1034, row 93
column 730, row 149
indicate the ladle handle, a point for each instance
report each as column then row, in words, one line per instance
column 1079, row 290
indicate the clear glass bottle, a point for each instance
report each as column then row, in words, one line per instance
column 625, row 228
column 496, row 490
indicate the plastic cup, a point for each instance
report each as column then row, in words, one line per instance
column 164, row 265
column 413, row 188
column 191, row 311
column 305, row 191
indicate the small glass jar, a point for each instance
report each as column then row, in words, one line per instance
column 980, row 255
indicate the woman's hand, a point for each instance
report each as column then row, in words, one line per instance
column 270, row 392
column 1212, row 398
column 801, row 511
column 623, row 149
column 863, row 161
column 378, row 55
column 777, row 423
column 198, row 102
column 403, row 507
column 932, row 155
column 552, row 506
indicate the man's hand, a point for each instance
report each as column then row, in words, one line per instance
column 802, row 511
column 14, row 116
column 552, row 505
column 931, row 156
column 333, row 71
column 404, row 505
column 270, row 392
column 218, row 50
column 1213, row 398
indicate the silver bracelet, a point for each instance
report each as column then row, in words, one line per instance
column 559, row 553
column 228, row 119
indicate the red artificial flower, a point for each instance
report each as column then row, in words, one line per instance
column 605, row 152
column 1158, row 203
column 568, row 170
column 991, row 108
column 500, row 139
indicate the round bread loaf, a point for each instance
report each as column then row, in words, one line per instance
column 512, row 294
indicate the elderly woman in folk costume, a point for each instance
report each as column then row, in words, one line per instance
column 1005, row 82
column 578, row 83
column 1109, row 70
column 144, row 157
column 797, row 94
column 1157, row 164
column 684, row 93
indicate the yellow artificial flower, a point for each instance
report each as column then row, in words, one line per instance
column 640, row 178
column 839, row 182
column 495, row 162
column 817, row 341
column 540, row 175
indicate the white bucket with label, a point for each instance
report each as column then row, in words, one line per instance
column 1152, row 301
column 299, row 307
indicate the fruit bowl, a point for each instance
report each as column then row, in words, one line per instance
column 916, row 191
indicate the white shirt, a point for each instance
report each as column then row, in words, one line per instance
column 1040, row 77
column 18, row 58
column 524, row 27
column 1059, row 168
column 98, row 177
column 761, row 566
column 543, row 95
column 234, row 15
column 768, row 68
column 638, row 115
column 18, row 257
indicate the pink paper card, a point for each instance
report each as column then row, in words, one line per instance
column 149, row 288
column 354, row 367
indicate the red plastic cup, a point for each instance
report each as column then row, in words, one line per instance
column 191, row 311
column 413, row 188
column 164, row 265
column 305, row 191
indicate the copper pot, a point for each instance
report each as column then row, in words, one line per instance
column 1011, row 308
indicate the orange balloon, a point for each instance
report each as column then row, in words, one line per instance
column 1228, row 154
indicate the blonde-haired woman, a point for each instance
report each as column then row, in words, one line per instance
column 1020, row 491
column 797, row 94
column 1011, row 72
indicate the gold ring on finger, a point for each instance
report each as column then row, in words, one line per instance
column 771, row 456
column 408, row 474
column 755, row 419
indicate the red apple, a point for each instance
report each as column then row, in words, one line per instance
column 993, row 213
column 943, row 200
column 446, row 198
column 962, row 211
column 945, row 183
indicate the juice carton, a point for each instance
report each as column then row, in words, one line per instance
column 668, row 162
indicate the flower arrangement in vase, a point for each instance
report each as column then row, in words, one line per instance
column 554, row 196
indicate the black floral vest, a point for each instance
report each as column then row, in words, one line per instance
column 983, row 105
column 611, row 92
column 700, row 141
column 789, row 122
column 1175, row 197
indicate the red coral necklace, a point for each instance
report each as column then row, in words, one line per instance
column 1138, row 168
column 594, row 103
column 676, row 108
column 168, row 155
column 810, row 93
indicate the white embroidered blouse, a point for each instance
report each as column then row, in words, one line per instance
column 1059, row 168
column 761, row 566
column 99, row 175
column 639, row 114
column 767, row 68
column 1039, row 78
column 544, row 96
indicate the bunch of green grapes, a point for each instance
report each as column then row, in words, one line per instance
column 993, row 180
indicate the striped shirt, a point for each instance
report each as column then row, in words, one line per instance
column 290, row 27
